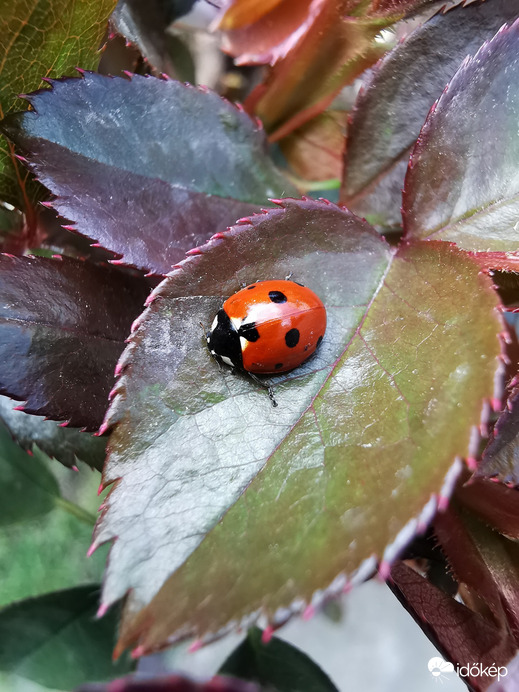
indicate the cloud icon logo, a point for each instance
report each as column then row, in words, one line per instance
column 437, row 666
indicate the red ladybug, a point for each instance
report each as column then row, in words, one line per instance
column 268, row 327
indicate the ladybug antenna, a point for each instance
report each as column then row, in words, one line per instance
column 268, row 387
column 204, row 329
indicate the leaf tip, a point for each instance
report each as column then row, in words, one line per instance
column 308, row 612
column 472, row 463
column 102, row 610
column 384, row 570
column 194, row 646
column 136, row 653
column 267, row 634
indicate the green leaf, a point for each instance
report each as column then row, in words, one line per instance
column 28, row 489
column 462, row 184
column 275, row 664
column 166, row 162
column 67, row 445
column 44, row 38
column 215, row 483
column 145, row 25
column 48, row 553
column 56, row 640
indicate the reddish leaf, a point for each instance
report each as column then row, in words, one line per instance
column 482, row 629
column 271, row 36
column 462, row 184
column 314, row 151
column 166, row 163
column 243, row 12
column 497, row 504
column 397, row 96
column 211, row 467
column 62, row 327
column 335, row 49
column 460, row 634
column 485, row 563
column 264, row 32
column 501, row 457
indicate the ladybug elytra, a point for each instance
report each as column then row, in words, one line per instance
column 267, row 328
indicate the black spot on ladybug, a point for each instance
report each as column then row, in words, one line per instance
column 319, row 341
column 306, row 347
column 249, row 331
column 278, row 366
column 277, row 297
column 292, row 338
column 249, row 288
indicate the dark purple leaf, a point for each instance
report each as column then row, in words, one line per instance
column 462, row 185
column 62, row 328
column 148, row 168
column 215, row 483
column 394, row 103
column 501, row 457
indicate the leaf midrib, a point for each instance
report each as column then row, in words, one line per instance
column 465, row 219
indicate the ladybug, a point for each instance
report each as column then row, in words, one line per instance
column 268, row 328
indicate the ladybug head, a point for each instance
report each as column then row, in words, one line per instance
column 223, row 340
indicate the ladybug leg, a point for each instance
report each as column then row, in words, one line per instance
column 289, row 278
column 268, row 387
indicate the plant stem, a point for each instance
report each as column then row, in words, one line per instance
column 76, row 511
column 312, row 185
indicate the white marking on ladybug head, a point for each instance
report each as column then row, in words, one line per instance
column 227, row 360
column 243, row 343
column 215, row 323
column 236, row 322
